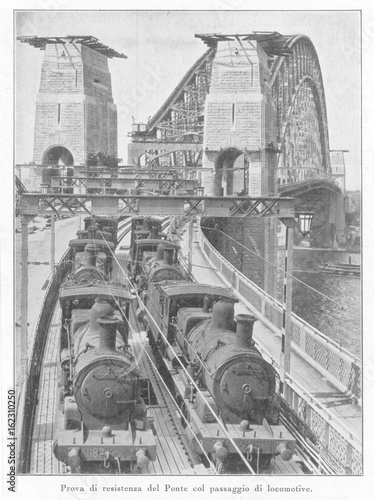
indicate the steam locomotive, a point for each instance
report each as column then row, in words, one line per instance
column 199, row 342
column 101, row 416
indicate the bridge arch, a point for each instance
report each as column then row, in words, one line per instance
column 58, row 155
column 230, row 172
column 299, row 98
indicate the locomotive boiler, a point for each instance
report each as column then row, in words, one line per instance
column 224, row 359
column 196, row 336
column 102, row 416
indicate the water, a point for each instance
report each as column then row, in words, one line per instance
column 336, row 310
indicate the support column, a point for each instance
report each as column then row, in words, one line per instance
column 190, row 242
column 53, row 242
column 23, row 355
column 340, row 219
column 287, row 306
column 217, row 183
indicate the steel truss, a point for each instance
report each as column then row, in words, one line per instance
column 301, row 114
column 153, row 173
column 109, row 185
column 186, row 115
column 117, row 205
column 298, row 96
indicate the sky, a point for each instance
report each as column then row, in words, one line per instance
column 161, row 47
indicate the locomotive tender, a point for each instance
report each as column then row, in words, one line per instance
column 101, row 417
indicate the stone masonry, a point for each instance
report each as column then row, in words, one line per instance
column 240, row 116
column 75, row 112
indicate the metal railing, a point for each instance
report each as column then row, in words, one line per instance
column 331, row 359
column 29, row 390
column 334, row 442
column 289, row 175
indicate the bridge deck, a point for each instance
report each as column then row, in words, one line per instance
column 325, row 393
column 172, row 458
column 172, row 453
column 42, row 459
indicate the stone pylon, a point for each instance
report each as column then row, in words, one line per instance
column 240, row 121
column 75, row 113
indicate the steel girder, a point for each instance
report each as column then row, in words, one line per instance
column 301, row 113
column 298, row 96
column 117, row 205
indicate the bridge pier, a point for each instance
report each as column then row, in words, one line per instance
column 340, row 219
column 239, row 121
column 239, row 131
column 22, row 356
column 328, row 222
column 249, row 244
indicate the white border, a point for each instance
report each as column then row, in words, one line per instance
column 323, row 487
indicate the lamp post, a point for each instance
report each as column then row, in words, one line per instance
column 199, row 192
column 304, row 224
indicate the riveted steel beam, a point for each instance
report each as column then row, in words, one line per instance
column 117, row 205
column 104, row 185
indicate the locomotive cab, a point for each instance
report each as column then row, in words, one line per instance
column 101, row 228
column 144, row 227
column 79, row 301
column 141, row 253
column 94, row 254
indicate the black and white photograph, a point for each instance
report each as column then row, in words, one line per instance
column 185, row 310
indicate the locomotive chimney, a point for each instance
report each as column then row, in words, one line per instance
column 222, row 315
column 100, row 309
column 107, row 340
column 206, row 304
column 244, row 330
column 92, row 230
column 89, row 256
column 149, row 226
column 168, row 256
column 154, row 232
column 160, row 252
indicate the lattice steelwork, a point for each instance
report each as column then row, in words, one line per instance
column 337, row 446
column 185, row 119
column 337, row 450
column 318, row 426
column 298, row 95
column 356, row 465
column 301, row 114
column 179, row 121
column 107, row 205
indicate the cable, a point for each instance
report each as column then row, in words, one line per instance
column 136, row 334
column 156, row 324
column 277, row 268
column 220, row 423
column 179, row 410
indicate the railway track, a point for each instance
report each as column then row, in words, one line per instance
column 173, row 457
column 173, row 454
column 43, row 460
